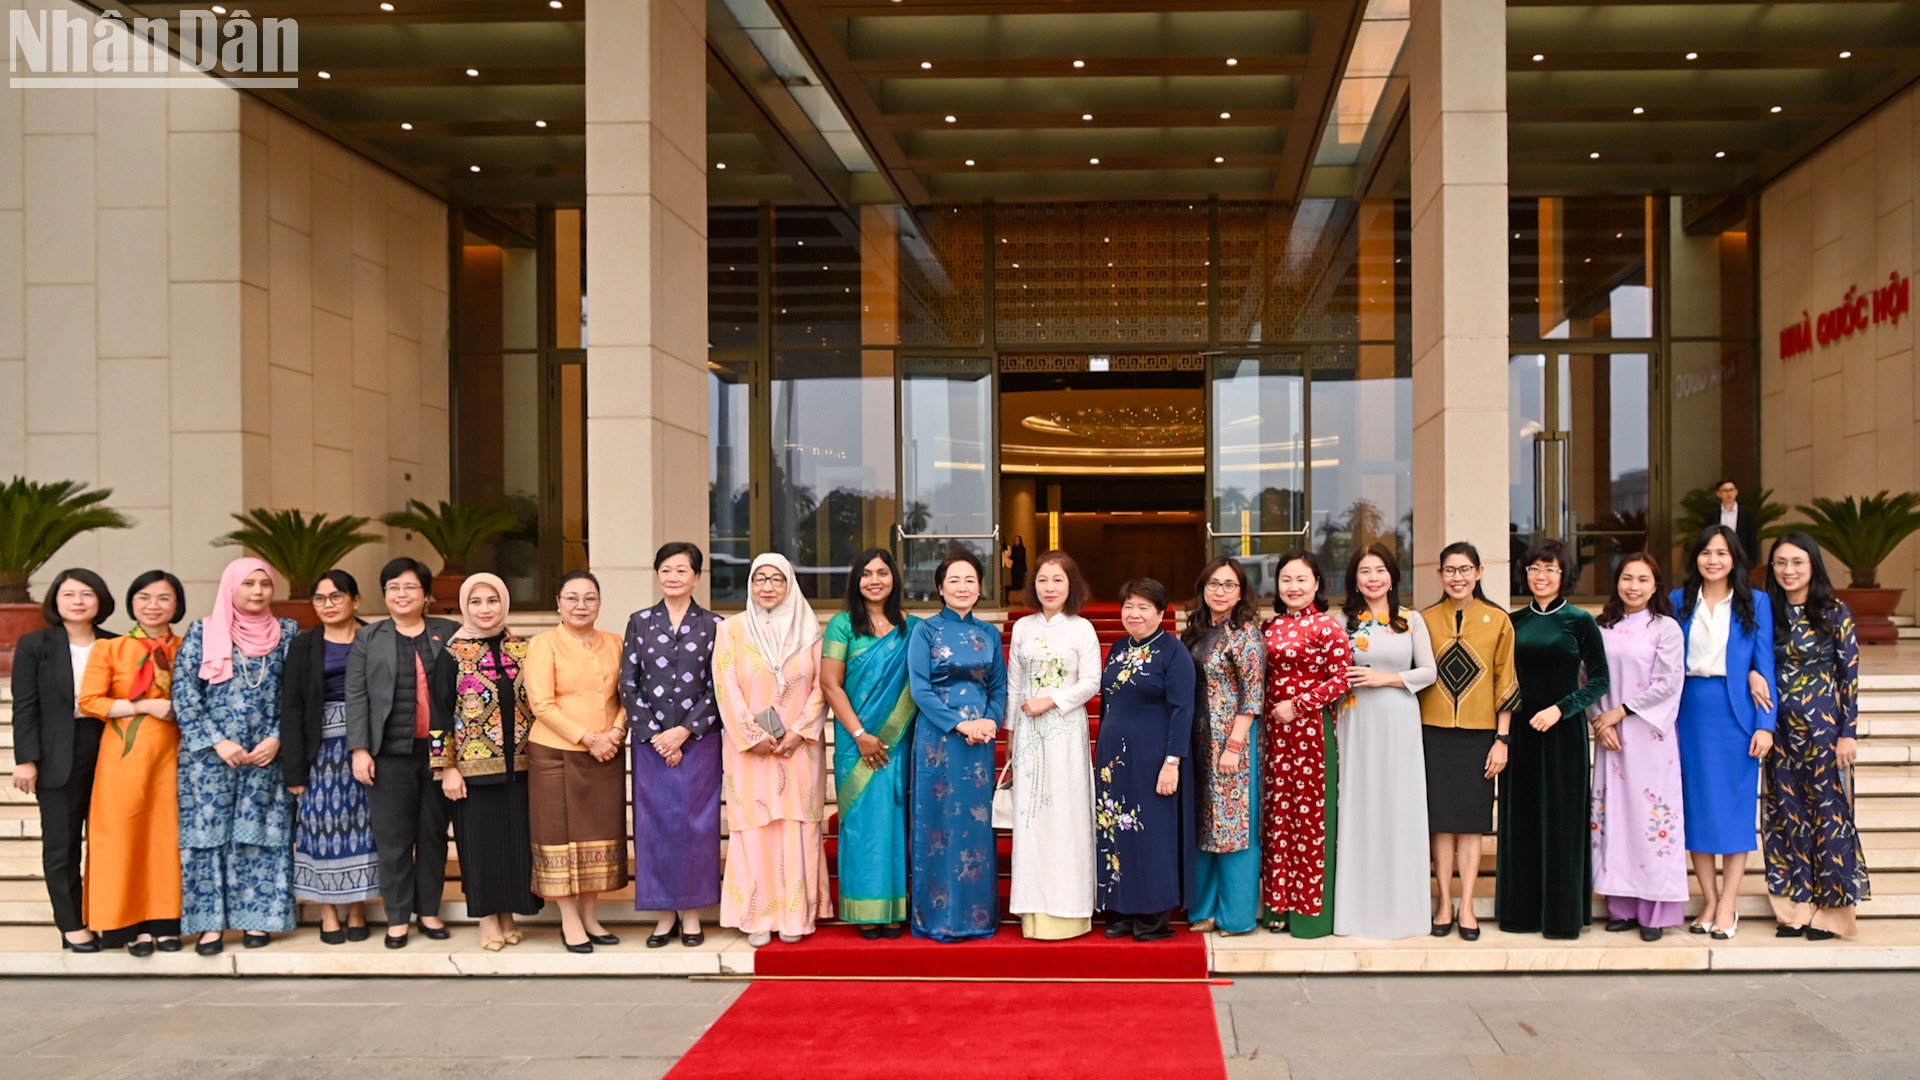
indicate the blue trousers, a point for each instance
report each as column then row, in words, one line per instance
column 1227, row 888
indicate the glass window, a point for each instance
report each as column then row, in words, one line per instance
column 833, row 489
column 1578, row 268
column 1318, row 269
column 1713, row 429
column 499, row 297
column 1712, row 278
column 498, row 406
column 733, row 277
column 947, row 466
column 1361, row 455
column 942, row 267
column 1257, row 460
column 816, row 278
column 729, row 481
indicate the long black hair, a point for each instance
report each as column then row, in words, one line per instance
column 1357, row 605
column 1742, row 570
column 1822, row 605
column 857, row 601
column 1319, row 602
column 1615, row 608
column 1245, row 612
column 1461, row 547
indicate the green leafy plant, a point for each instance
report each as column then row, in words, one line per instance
column 454, row 529
column 37, row 520
column 1862, row 533
column 301, row 548
column 1700, row 508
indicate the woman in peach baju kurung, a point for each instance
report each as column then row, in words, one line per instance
column 766, row 680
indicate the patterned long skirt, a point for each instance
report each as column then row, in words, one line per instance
column 1816, row 873
column 578, row 821
column 333, row 857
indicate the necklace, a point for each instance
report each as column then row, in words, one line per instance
column 252, row 682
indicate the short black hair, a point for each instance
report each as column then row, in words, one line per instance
column 342, row 581
column 695, row 558
column 406, row 564
column 1725, row 482
column 50, row 607
column 1147, row 589
column 575, row 575
column 1558, row 552
column 153, row 576
column 957, row 554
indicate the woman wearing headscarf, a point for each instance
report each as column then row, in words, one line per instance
column 479, row 702
column 236, row 818
column 766, row 680
column 133, row 829
column 576, row 775
column 666, row 685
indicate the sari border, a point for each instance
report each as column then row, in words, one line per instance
column 889, row 735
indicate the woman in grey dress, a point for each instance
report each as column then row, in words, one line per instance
column 1381, row 886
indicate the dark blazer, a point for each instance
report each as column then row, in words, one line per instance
column 370, row 678
column 1746, row 529
column 43, row 696
column 1746, row 651
column 303, row 704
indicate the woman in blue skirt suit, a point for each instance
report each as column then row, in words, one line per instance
column 1726, row 718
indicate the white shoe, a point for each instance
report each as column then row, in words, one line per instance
column 791, row 939
column 1725, row 933
column 759, row 938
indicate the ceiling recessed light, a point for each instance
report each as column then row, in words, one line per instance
column 1619, row 235
column 1232, row 62
column 1093, row 161
column 386, row 7
column 969, row 162
column 1846, row 54
column 1637, row 110
column 719, row 164
column 1775, row 109
column 1693, row 56
column 1079, row 63
column 473, row 71
column 1086, row 116
column 553, row 3
column 951, row 118
column 1537, row 57
column 1595, row 156
column 540, row 123
column 404, row 126
column 1219, row 160
column 926, row 65
column 473, row 168
column 326, row 74
column 218, row 10
column 800, row 243
column 1719, row 153
column 1226, row 116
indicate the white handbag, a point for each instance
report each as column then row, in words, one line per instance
column 1003, row 794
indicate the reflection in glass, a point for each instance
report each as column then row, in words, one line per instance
column 1362, row 455
column 833, row 461
column 947, row 466
column 1578, row 268
column 1257, row 461
column 498, row 403
column 733, row 277
column 1713, row 428
column 729, row 482
column 816, row 277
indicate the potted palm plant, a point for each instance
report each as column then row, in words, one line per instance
column 1862, row 533
column 36, row 521
column 456, row 531
column 300, row 549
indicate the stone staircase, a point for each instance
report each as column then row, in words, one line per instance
column 1888, row 812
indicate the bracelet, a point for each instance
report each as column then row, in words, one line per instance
column 1237, row 747
column 857, row 732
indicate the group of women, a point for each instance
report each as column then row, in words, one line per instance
column 222, row 776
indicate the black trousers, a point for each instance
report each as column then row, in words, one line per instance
column 410, row 816
column 63, row 822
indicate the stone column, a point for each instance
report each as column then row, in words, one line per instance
column 1458, row 118
column 646, row 289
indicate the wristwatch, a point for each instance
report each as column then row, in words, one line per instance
column 1503, row 738
column 1172, row 759
column 856, row 732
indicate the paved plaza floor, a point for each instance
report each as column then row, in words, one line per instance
column 1704, row 1026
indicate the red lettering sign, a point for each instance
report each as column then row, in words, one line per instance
column 1856, row 312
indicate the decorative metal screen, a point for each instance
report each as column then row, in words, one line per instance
column 1130, row 272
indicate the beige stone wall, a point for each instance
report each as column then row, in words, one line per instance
column 1840, row 420
column 206, row 306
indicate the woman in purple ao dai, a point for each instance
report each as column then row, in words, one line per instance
column 1639, row 842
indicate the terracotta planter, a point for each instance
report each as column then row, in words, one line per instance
column 16, row 621
column 1871, row 608
column 446, row 591
column 300, row 611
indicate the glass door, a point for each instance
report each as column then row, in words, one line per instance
column 948, row 469
column 1581, row 457
column 1259, row 483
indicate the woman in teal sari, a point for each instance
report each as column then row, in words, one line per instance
column 863, row 670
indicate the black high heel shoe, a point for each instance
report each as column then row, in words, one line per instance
column 436, row 933
column 584, row 947
column 659, row 940
column 603, row 939
column 91, row 945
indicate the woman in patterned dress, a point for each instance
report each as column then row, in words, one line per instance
column 1223, row 634
column 236, row 818
column 1143, row 794
column 666, row 685
column 959, row 678
column 1815, row 872
column 1308, row 657
column 1053, row 670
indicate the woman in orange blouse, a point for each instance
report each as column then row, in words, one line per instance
column 133, row 827
column 576, row 776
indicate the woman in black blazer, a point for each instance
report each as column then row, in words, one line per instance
column 55, row 747
column 334, row 861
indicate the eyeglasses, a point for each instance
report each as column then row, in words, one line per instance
column 1543, row 571
column 407, row 588
column 1791, row 564
column 1223, row 586
column 767, row 579
column 1457, row 571
column 329, row 599
column 574, row 600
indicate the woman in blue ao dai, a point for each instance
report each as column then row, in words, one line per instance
column 959, row 679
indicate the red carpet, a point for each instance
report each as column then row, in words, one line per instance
column 859, row 1030
column 840, row 952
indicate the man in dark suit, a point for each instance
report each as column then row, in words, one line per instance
column 387, row 714
column 1741, row 519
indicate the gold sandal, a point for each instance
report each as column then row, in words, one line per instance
column 493, row 944
column 1202, row 926
column 514, row 937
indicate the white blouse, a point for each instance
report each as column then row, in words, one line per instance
column 1707, row 638
column 79, row 655
column 1057, row 657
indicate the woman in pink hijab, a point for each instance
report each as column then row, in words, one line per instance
column 236, row 818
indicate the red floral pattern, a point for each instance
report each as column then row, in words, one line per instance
column 1307, row 660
